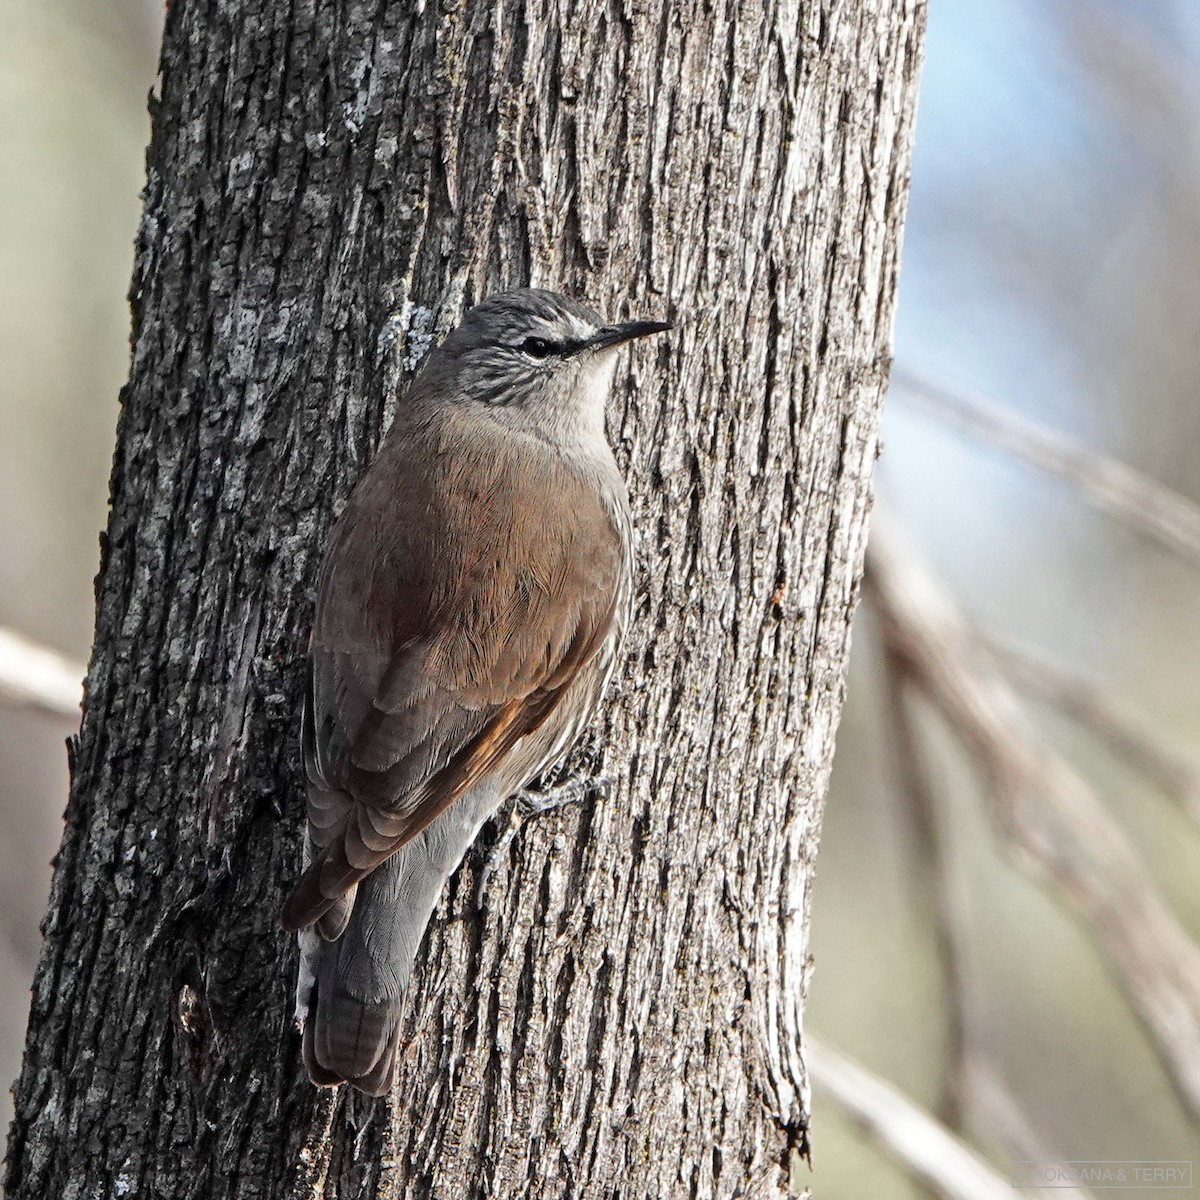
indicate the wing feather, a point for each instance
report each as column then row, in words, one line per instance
column 435, row 652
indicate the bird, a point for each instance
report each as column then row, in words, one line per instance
column 473, row 598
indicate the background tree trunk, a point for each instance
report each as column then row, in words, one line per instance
column 328, row 185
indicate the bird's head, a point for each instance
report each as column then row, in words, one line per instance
column 536, row 353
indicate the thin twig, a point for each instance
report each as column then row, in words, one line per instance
column 1046, row 810
column 928, row 853
column 1170, row 769
column 995, row 1109
column 39, row 678
column 1112, row 486
column 906, row 1132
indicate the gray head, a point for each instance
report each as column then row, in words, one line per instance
column 542, row 357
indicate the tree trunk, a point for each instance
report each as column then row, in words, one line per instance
column 329, row 184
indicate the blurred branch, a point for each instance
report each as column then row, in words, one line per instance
column 1146, row 84
column 929, row 852
column 995, row 1109
column 1173, row 771
column 974, row 1094
column 1044, row 808
column 40, row 678
column 1115, row 488
column 903, row 1130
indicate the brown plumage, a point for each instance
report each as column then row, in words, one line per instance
column 472, row 600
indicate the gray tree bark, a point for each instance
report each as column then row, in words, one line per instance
column 328, row 185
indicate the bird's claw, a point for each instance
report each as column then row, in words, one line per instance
column 534, row 803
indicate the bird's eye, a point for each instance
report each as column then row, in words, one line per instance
column 537, row 347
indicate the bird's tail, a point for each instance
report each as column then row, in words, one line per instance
column 357, row 982
column 352, row 989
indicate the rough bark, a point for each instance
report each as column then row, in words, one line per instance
column 328, row 184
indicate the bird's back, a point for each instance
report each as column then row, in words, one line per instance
column 472, row 600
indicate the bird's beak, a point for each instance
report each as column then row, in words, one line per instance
column 614, row 335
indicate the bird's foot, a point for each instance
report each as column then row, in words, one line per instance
column 533, row 803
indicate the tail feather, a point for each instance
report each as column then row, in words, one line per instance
column 356, row 998
column 353, row 1034
column 321, row 1075
column 378, row 1081
column 353, row 984
column 351, row 1042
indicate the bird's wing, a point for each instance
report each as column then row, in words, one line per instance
column 436, row 650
